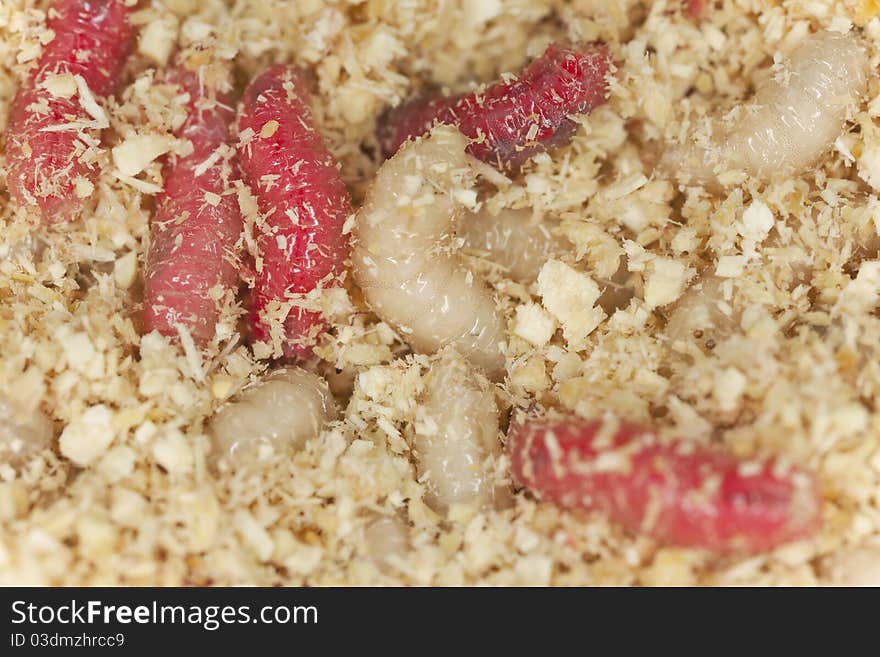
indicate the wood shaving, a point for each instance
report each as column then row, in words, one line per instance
column 123, row 494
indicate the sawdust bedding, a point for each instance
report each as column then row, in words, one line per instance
column 107, row 476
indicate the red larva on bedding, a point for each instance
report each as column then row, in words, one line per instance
column 414, row 119
column 302, row 200
column 192, row 262
column 674, row 491
column 509, row 122
column 43, row 142
column 696, row 9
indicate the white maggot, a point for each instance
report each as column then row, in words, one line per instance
column 27, row 247
column 387, row 540
column 792, row 119
column 403, row 264
column 858, row 566
column 513, row 240
column 279, row 413
column 23, row 433
column 520, row 246
column 456, row 440
column 702, row 314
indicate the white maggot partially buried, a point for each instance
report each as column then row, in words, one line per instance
column 403, row 262
column 792, row 120
column 387, row 540
column 457, row 442
column 23, row 432
column 702, row 310
column 857, row 566
column 281, row 412
column 513, row 240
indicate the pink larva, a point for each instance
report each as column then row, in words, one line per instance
column 676, row 492
column 509, row 122
column 697, row 9
column 43, row 146
column 192, row 260
column 302, row 201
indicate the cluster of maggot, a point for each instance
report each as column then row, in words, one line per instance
column 735, row 313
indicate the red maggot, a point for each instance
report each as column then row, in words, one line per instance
column 675, row 491
column 510, row 121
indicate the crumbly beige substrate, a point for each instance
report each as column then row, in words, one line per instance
column 124, row 494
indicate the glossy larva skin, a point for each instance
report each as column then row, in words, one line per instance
column 23, row 433
column 195, row 233
column 512, row 120
column 457, row 438
column 672, row 490
column 702, row 309
column 387, row 540
column 857, row 566
column 513, row 240
column 793, row 119
column 697, row 9
column 279, row 413
column 302, row 200
column 408, row 275
column 92, row 41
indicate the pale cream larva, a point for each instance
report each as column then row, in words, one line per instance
column 702, row 314
column 403, row 262
column 793, row 118
column 513, row 240
column 457, row 441
column 387, row 540
column 279, row 413
column 23, row 432
column 858, row 566
column 23, row 247
column 520, row 243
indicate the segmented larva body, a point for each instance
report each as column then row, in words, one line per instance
column 513, row 240
column 408, row 277
column 702, row 313
column 697, row 9
column 23, row 432
column 792, row 120
column 412, row 119
column 387, row 540
column 674, row 491
column 278, row 414
column 303, row 205
column 456, row 440
column 192, row 262
column 857, row 566
column 511, row 121
column 56, row 112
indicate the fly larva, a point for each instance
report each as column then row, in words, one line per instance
column 58, row 101
column 697, row 9
column 409, row 278
column 513, row 240
column 386, row 540
column 675, row 491
column 456, row 440
column 858, row 566
column 280, row 413
column 21, row 248
column 512, row 120
column 303, row 202
column 702, row 314
column 792, row 120
column 520, row 246
column 192, row 259
column 23, row 433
